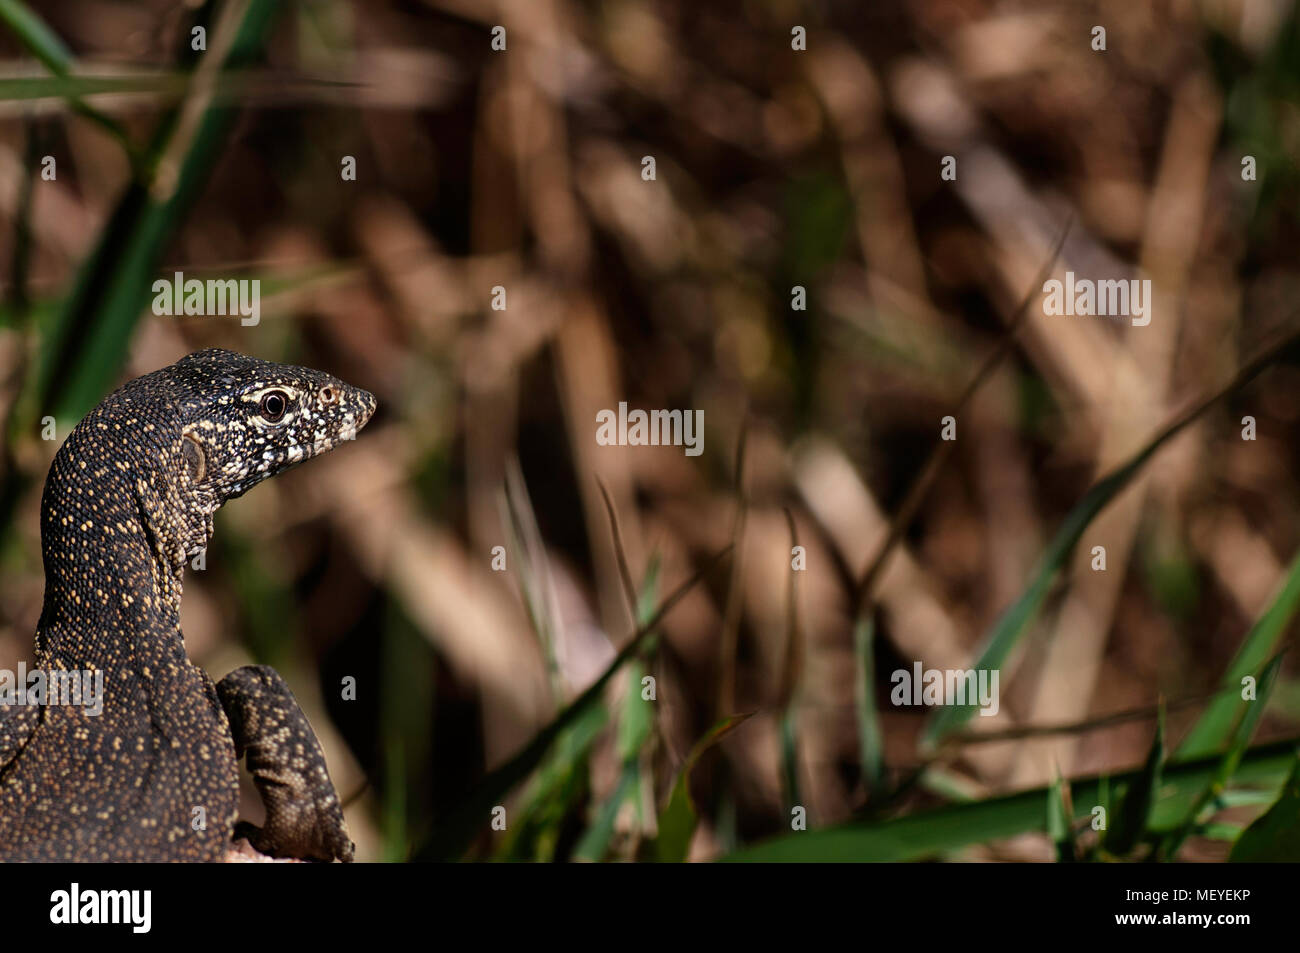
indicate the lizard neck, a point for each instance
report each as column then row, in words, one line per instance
column 114, row 541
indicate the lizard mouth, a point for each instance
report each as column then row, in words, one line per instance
column 325, row 444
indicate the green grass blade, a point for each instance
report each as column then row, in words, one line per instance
column 1058, row 820
column 1246, row 727
column 1214, row 727
column 1219, row 830
column 635, row 728
column 1274, row 836
column 636, row 719
column 595, row 842
column 947, row 829
column 26, row 88
column 87, row 343
column 1228, row 763
column 677, row 820
column 35, row 36
column 1013, row 623
column 533, row 570
column 43, row 43
column 1129, row 821
column 84, row 343
column 555, row 790
column 562, row 780
column 456, row 830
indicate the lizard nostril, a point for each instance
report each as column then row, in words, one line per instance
column 328, row 395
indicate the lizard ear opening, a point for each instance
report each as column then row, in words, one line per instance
column 196, row 459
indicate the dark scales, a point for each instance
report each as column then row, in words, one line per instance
column 128, row 500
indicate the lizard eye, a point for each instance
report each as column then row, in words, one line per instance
column 274, row 404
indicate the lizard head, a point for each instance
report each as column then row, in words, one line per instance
column 162, row 453
column 248, row 419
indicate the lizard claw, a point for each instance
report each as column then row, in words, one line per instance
column 313, row 830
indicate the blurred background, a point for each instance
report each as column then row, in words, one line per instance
column 796, row 145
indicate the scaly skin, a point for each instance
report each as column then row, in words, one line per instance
column 129, row 499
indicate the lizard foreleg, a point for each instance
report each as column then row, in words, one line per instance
column 303, row 816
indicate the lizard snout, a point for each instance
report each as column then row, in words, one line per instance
column 368, row 405
column 363, row 405
column 351, row 407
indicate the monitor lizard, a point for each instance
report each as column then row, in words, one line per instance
column 130, row 497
